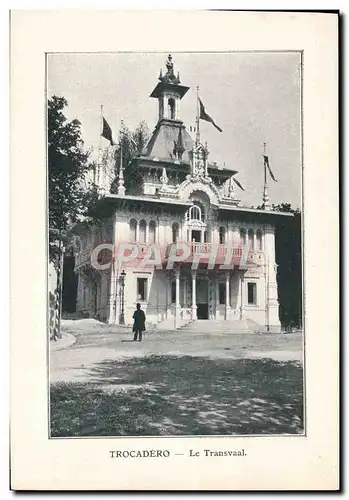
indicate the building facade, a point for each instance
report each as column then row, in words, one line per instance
column 179, row 242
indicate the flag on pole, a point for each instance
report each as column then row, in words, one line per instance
column 266, row 164
column 107, row 132
column 204, row 116
column 238, row 184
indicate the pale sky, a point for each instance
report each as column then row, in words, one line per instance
column 253, row 97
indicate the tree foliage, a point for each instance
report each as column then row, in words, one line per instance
column 67, row 166
column 131, row 144
column 288, row 253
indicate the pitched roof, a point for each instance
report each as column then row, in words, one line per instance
column 162, row 142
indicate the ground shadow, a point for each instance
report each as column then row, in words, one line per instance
column 168, row 395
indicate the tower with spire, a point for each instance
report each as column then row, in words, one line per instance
column 169, row 93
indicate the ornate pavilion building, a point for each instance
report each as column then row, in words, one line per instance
column 180, row 197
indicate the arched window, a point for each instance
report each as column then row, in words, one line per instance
column 171, row 108
column 207, row 236
column 251, row 239
column 142, row 231
column 242, row 236
column 152, row 229
column 175, row 232
column 221, row 235
column 259, row 240
column 195, row 213
column 133, row 230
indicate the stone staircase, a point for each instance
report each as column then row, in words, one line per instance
column 221, row 326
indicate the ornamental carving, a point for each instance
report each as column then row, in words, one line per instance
column 205, row 185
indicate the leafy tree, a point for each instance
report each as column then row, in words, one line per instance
column 288, row 251
column 67, row 166
column 132, row 145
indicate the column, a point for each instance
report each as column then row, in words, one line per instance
column 161, row 106
column 178, row 305
column 256, row 241
column 177, row 103
column 241, row 285
column 169, row 295
column 164, row 107
column 147, row 232
column 217, row 295
column 112, row 295
column 227, row 296
column 272, row 303
column 193, row 296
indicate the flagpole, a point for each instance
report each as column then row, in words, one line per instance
column 121, row 129
column 99, row 163
column 266, row 205
column 101, row 128
column 197, row 117
column 265, row 167
column 121, row 187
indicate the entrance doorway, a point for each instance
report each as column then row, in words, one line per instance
column 202, row 298
column 202, row 311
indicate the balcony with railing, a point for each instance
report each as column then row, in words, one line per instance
column 187, row 253
column 218, row 254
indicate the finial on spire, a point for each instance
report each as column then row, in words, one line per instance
column 169, row 77
column 169, row 63
column 121, row 187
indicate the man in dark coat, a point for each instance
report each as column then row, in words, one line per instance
column 139, row 323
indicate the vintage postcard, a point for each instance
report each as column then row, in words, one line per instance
column 167, row 192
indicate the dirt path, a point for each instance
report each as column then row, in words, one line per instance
column 96, row 343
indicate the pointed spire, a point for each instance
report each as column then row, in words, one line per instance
column 164, row 178
column 178, row 79
column 121, row 187
column 160, row 75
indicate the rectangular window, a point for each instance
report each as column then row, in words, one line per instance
column 222, row 291
column 252, row 293
column 142, row 289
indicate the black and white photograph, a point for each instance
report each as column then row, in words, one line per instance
column 174, row 251
column 175, row 245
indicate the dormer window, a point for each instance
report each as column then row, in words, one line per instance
column 195, row 213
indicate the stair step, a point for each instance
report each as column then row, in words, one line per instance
column 218, row 327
